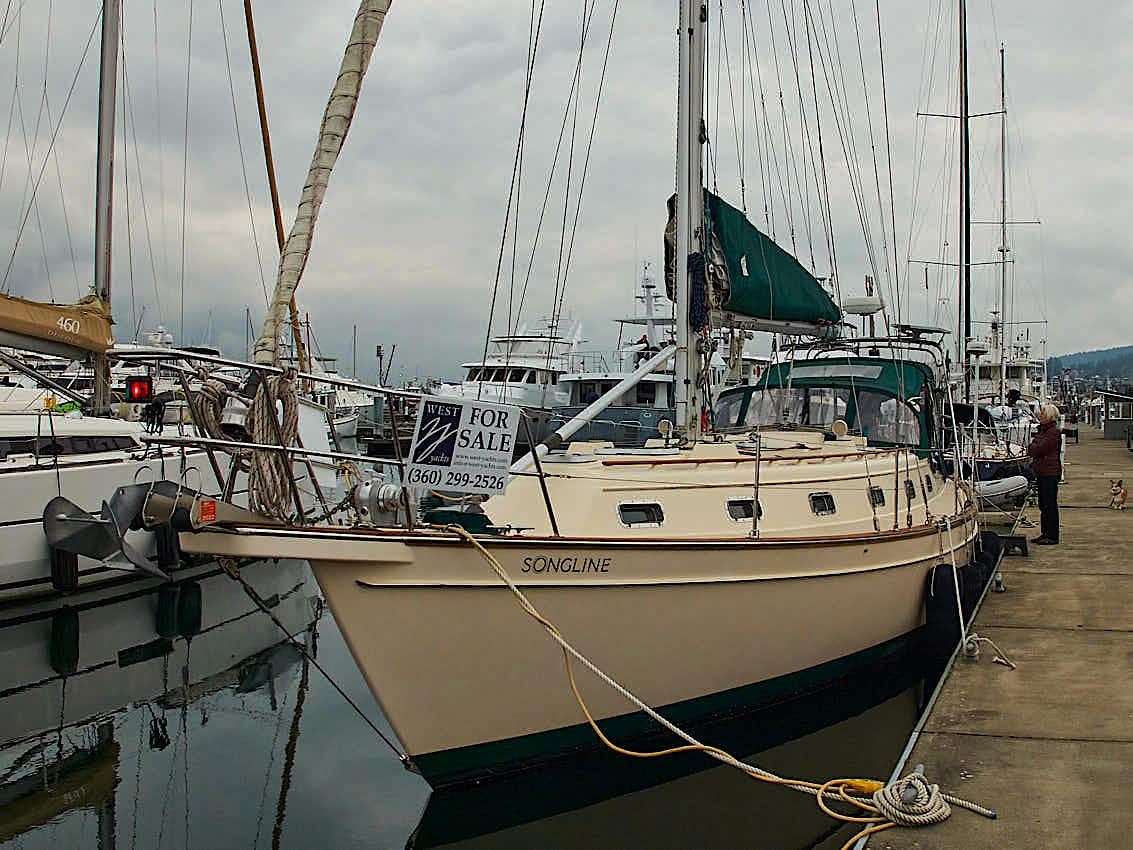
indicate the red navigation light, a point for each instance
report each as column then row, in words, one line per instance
column 139, row 389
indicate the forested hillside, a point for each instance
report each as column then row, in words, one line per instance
column 1115, row 362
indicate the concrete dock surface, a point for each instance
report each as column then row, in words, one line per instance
column 1048, row 746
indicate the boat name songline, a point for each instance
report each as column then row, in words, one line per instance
column 565, row 564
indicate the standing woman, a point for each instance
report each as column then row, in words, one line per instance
column 1046, row 449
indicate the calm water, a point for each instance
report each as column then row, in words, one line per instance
column 230, row 738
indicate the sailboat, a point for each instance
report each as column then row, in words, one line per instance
column 708, row 570
column 83, row 455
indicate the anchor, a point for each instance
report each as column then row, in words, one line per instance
column 102, row 536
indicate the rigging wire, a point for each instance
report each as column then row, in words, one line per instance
column 893, row 294
column 787, row 205
column 55, row 159
column 834, row 76
column 825, row 192
column 530, row 70
column 129, row 221
column 511, row 194
column 732, row 103
column 66, row 214
column 29, row 153
column 801, row 186
column 808, row 146
column 4, row 285
column 559, row 283
column 139, row 176
column 6, row 25
column 240, row 148
column 589, row 148
column 764, row 141
column 888, row 159
column 160, row 154
column 11, row 115
column 576, row 81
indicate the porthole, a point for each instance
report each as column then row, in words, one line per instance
column 740, row 509
column 877, row 497
column 641, row 514
column 822, row 504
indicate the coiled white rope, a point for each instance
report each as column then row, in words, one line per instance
column 269, row 478
column 269, row 472
column 927, row 806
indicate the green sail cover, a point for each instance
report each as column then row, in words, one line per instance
column 765, row 282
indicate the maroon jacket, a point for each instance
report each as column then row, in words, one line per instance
column 1045, row 449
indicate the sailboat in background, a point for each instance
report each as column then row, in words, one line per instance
column 73, row 461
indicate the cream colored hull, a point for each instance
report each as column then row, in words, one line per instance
column 455, row 662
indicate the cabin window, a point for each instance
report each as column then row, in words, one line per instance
column 516, row 376
column 910, row 490
column 818, row 406
column 646, row 393
column 554, row 377
column 641, row 513
column 474, row 374
column 887, row 420
column 531, row 379
column 877, row 497
column 48, row 446
column 822, row 504
column 740, row 509
column 728, row 410
column 928, row 483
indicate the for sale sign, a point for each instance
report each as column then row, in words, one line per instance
column 462, row 446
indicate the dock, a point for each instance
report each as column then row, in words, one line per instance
column 1049, row 745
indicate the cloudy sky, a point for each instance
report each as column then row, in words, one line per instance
column 408, row 240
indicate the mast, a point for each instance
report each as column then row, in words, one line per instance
column 690, row 204
column 965, row 203
column 104, row 181
column 301, row 354
column 1003, row 337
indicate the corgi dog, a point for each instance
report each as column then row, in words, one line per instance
column 1119, row 494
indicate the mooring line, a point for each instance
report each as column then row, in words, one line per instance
column 909, row 801
column 229, row 566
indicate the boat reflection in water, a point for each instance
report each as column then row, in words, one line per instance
column 106, row 692
column 855, row 728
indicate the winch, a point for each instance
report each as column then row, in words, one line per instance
column 377, row 501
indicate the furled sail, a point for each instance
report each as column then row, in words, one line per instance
column 749, row 275
column 69, row 330
column 332, row 133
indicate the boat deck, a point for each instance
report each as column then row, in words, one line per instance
column 1049, row 746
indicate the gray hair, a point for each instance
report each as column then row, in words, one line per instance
column 1051, row 411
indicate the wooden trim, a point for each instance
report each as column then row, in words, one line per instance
column 439, row 537
column 744, row 459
